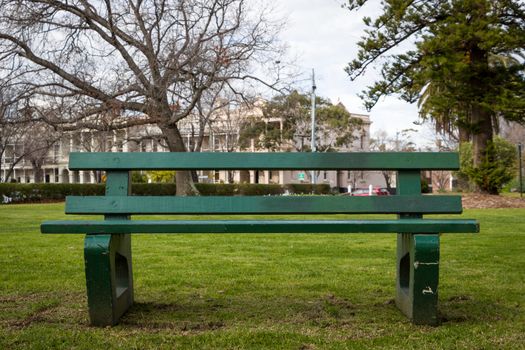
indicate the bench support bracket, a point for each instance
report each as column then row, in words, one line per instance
column 109, row 277
column 417, row 277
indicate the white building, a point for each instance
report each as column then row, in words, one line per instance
column 219, row 133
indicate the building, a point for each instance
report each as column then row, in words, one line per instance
column 218, row 132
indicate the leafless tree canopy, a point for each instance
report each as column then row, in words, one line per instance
column 132, row 62
column 20, row 137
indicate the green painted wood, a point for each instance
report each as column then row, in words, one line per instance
column 261, row 226
column 108, row 244
column 408, row 182
column 266, row 161
column 417, row 289
column 262, row 204
column 417, row 260
column 118, row 183
column 108, row 263
column 97, row 259
column 109, row 287
column 424, row 278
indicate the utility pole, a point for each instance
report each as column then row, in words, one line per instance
column 521, row 170
column 313, row 144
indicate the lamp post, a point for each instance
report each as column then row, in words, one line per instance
column 313, row 143
column 521, row 170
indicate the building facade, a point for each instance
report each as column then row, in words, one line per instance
column 219, row 132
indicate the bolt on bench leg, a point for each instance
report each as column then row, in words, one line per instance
column 417, row 277
column 109, row 277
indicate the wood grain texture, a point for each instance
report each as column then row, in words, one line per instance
column 268, row 161
column 261, row 226
column 262, row 205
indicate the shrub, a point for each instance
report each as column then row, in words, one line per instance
column 23, row 193
column 260, row 189
column 217, row 189
column 308, row 188
column 514, row 185
column 138, row 178
column 155, row 189
column 164, row 176
column 425, row 188
column 497, row 169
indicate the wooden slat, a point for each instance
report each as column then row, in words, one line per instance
column 263, row 205
column 118, row 184
column 268, row 161
column 252, row 226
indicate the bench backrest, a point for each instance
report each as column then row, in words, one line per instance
column 118, row 202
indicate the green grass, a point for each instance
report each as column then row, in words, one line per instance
column 512, row 194
column 257, row 291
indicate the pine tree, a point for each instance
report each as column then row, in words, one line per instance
column 465, row 66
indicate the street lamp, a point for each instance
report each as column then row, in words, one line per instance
column 521, row 170
column 313, row 144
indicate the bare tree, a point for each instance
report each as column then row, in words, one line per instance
column 21, row 138
column 441, row 179
column 383, row 142
column 30, row 142
column 144, row 62
column 39, row 140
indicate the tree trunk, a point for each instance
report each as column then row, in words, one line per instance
column 482, row 124
column 37, row 171
column 464, row 135
column 175, row 143
column 388, row 180
column 481, row 117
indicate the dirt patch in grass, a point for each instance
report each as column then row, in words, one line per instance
column 484, row 201
column 21, row 311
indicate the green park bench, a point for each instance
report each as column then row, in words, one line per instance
column 107, row 249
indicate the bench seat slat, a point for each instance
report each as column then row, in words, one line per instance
column 262, row 226
column 263, row 205
column 267, row 161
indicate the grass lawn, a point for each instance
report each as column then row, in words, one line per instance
column 262, row 291
column 512, row 194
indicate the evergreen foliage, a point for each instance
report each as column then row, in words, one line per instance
column 494, row 174
column 464, row 66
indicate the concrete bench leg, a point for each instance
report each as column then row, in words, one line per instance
column 109, row 277
column 417, row 277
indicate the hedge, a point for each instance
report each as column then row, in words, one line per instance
column 26, row 193
column 23, row 193
column 308, row 188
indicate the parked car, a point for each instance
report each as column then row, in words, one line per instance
column 364, row 192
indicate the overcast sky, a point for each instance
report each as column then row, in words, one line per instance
column 324, row 36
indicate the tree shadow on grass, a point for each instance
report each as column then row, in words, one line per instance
column 196, row 314
column 214, row 313
column 468, row 309
column 328, row 311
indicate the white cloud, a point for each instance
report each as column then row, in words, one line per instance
column 324, row 36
